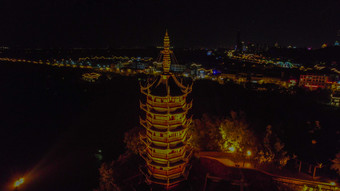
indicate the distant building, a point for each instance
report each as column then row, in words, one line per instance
column 236, row 78
column 335, row 99
column 244, row 47
column 336, row 43
column 203, row 73
column 158, row 65
column 335, row 86
column 313, row 82
column 3, row 48
column 119, row 65
column 177, row 68
column 292, row 82
column 194, row 69
column 138, row 65
column 252, row 48
column 91, row 77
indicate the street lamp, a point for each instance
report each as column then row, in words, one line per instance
column 248, row 154
column 18, row 183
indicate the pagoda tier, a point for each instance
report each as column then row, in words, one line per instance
column 165, row 136
column 165, row 109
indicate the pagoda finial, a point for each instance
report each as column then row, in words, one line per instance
column 166, row 53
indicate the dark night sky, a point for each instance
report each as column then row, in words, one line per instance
column 135, row 23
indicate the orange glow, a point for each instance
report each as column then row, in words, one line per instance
column 19, row 182
column 314, row 142
column 232, row 149
column 91, row 77
column 165, row 125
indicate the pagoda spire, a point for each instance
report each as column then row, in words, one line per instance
column 166, row 53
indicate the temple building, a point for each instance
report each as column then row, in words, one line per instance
column 165, row 124
column 313, row 82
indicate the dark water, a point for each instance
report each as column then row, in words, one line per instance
column 52, row 123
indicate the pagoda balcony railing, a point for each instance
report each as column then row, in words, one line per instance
column 164, row 139
column 147, row 143
column 166, row 104
column 185, row 107
column 174, row 155
column 166, row 156
column 164, row 122
column 158, row 155
column 185, row 155
column 164, row 172
column 148, row 124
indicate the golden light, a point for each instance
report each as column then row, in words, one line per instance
column 19, row 182
column 248, row 153
column 332, row 183
column 231, row 149
column 165, row 165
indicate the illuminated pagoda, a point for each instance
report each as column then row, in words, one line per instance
column 166, row 124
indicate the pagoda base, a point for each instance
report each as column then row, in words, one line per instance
column 168, row 184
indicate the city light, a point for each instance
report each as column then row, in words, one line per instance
column 332, row 183
column 231, row 149
column 248, row 153
column 19, row 182
column 91, row 77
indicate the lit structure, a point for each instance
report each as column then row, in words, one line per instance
column 313, row 81
column 178, row 68
column 336, row 43
column 91, row 77
column 18, row 182
column 335, row 99
column 165, row 123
